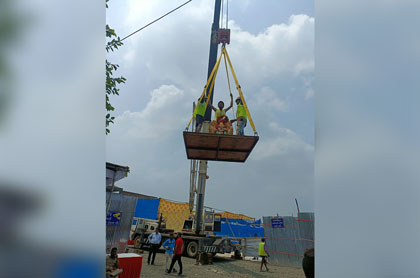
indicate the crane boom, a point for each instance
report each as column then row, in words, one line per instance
column 202, row 172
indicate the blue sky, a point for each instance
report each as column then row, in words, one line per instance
column 272, row 45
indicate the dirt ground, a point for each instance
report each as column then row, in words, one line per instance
column 222, row 267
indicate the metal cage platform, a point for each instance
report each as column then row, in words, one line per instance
column 217, row 147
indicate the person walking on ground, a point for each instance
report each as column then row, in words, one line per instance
column 178, row 253
column 154, row 239
column 241, row 117
column 262, row 252
column 169, row 245
column 308, row 263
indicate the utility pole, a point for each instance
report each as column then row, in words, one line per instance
column 202, row 172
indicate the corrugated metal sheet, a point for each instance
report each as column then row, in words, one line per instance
column 287, row 245
column 250, row 247
column 117, row 236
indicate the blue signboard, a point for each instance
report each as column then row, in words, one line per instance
column 113, row 218
column 277, row 223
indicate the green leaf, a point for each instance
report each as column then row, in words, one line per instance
column 111, row 83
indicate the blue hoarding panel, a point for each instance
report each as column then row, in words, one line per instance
column 147, row 208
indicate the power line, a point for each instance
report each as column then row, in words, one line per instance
column 152, row 22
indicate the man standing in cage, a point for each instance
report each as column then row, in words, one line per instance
column 241, row 117
column 199, row 112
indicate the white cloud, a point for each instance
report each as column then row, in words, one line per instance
column 129, row 56
column 267, row 97
column 176, row 49
column 309, row 94
column 280, row 49
column 304, row 66
column 150, row 10
column 158, row 118
column 285, row 141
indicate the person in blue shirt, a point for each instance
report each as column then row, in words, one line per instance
column 154, row 239
column 169, row 245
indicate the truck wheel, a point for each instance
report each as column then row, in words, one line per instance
column 192, row 249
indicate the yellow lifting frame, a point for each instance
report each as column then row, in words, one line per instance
column 212, row 79
column 238, row 87
column 212, row 74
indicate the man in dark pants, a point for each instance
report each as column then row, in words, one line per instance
column 308, row 263
column 199, row 112
column 177, row 254
column 263, row 253
column 154, row 239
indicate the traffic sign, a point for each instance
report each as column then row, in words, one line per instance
column 113, row 218
column 277, row 223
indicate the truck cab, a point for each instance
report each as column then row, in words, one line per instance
column 211, row 224
column 141, row 228
column 205, row 240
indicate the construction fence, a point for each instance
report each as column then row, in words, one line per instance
column 118, row 222
column 287, row 238
column 250, row 246
column 124, row 207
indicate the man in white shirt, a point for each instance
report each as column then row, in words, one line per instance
column 154, row 239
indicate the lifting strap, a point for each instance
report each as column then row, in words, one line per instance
column 212, row 74
column 211, row 81
column 228, row 80
column 238, row 87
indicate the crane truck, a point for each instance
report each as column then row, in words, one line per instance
column 199, row 230
column 205, row 241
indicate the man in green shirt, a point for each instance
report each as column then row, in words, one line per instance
column 263, row 253
column 199, row 112
column 241, row 117
column 218, row 113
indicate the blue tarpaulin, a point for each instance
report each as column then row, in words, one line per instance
column 242, row 221
column 232, row 228
column 147, row 208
